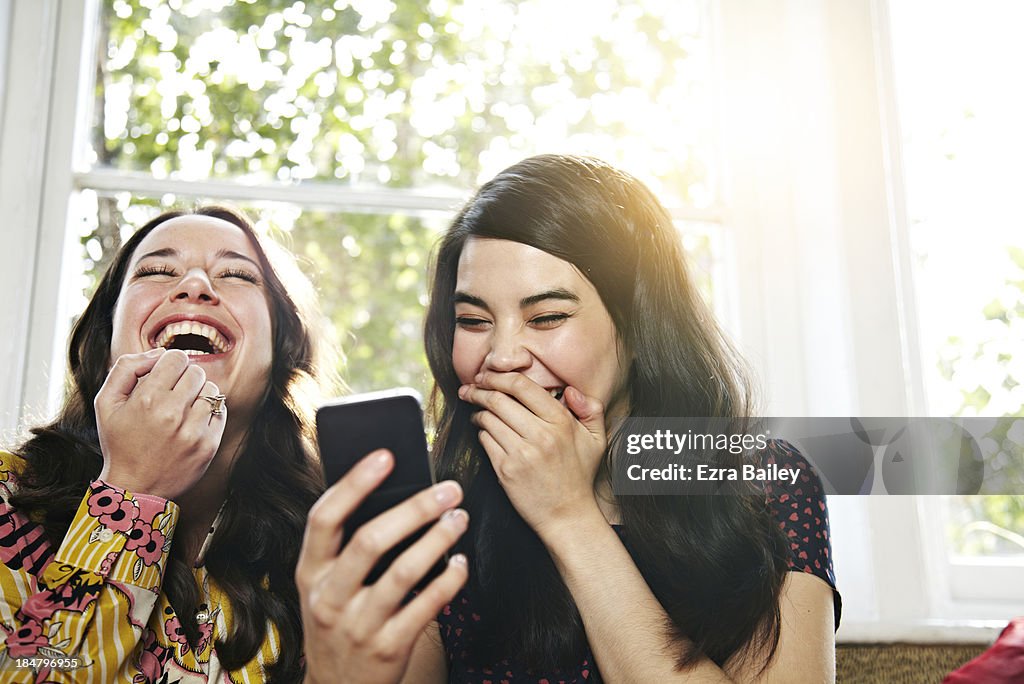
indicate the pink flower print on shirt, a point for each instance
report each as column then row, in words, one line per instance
column 108, row 563
column 104, row 501
column 139, row 536
column 174, row 630
column 27, row 641
column 146, row 542
column 205, row 636
column 112, row 510
column 120, row 520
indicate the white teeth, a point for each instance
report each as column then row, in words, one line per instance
column 556, row 392
column 217, row 340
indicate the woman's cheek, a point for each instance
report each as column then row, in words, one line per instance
column 466, row 358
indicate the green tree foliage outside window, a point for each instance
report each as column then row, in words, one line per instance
column 422, row 96
column 993, row 524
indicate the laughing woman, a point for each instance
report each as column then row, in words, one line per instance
column 151, row 532
column 183, row 422
column 561, row 303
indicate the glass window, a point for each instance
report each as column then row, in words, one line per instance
column 960, row 125
column 408, row 94
column 415, row 103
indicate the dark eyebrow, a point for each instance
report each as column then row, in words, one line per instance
column 229, row 254
column 222, row 254
column 466, row 298
column 163, row 252
column 557, row 293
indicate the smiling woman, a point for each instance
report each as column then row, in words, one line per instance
column 196, row 284
column 188, row 366
column 525, row 298
column 561, row 303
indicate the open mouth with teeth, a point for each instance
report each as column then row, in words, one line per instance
column 556, row 393
column 195, row 339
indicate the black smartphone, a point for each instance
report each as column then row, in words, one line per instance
column 350, row 428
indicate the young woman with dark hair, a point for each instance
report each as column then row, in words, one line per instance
column 561, row 303
column 193, row 309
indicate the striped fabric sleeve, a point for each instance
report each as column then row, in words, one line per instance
column 92, row 601
column 120, row 536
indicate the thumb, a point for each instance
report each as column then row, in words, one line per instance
column 587, row 410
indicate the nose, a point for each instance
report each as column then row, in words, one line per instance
column 195, row 286
column 507, row 352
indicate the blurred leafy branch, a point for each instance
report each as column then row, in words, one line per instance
column 991, row 382
column 388, row 93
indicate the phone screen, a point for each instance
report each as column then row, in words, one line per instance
column 350, row 428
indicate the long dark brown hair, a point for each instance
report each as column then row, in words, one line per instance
column 716, row 563
column 277, row 475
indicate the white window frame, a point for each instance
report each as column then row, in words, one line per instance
column 42, row 72
column 968, row 587
column 813, row 214
column 833, row 199
column 5, row 37
column 49, row 133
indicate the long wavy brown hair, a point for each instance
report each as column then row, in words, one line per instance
column 716, row 563
column 275, row 479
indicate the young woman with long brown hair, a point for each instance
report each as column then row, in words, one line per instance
column 562, row 303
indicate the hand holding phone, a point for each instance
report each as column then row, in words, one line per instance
column 351, row 427
column 359, row 633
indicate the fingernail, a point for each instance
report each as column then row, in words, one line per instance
column 478, row 378
column 446, row 492
column 462, row 391
column 455, row 518
column 380, row 460
column 459, row 559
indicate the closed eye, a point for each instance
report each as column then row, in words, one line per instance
column 548, row 320
column 239, row 273
column 470, row 322
column 155, row 269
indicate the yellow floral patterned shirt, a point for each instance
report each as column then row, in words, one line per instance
column 93, row 610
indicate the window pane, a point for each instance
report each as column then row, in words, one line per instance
column 987, row 525
column 960, row 125
column 409, row 94
column 428, row 96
